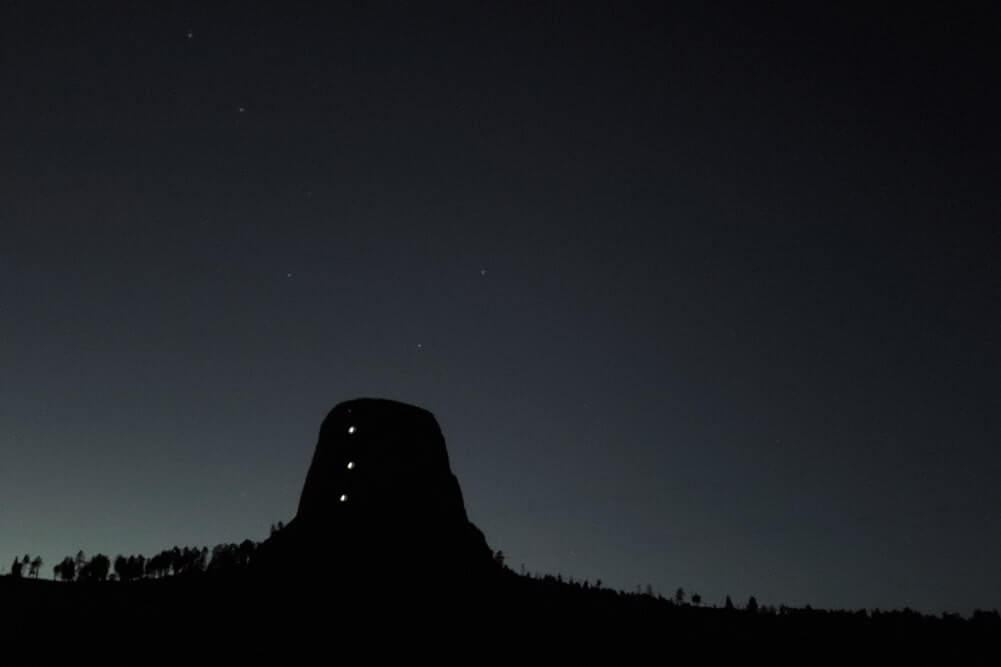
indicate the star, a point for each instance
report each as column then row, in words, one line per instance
column 288, row 275
column 483, row 272
column 420, row 346
column 241, row 109
column 190, row 34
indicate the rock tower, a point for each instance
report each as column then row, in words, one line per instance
column 380, row 498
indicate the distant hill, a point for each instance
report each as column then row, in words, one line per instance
column 505, row 609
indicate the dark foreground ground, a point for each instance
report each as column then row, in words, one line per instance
column 335, row 617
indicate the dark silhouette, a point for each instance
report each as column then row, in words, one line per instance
column 66, row 569
column 96, row 569
column 381, row 544
column 122, row 568
column 131, row 568
column 379, row 483
column 158, row 565
column 224, row 557
column 245, row 553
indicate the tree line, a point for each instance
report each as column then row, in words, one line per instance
column 176, row 561
column 29, row 567
column 188, row 561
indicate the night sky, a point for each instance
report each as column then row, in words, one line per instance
column 704, row 297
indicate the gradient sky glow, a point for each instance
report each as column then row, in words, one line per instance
column 702, row 297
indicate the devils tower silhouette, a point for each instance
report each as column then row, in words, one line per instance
column 380, row 501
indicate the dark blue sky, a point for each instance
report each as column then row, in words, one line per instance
column 700, row 297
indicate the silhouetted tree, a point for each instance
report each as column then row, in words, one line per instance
column 80, row 561
column 138, row 568
column 983, row 616
column 499, row 558
column 245, row 552
column 679, row 595
column 66, row 569
column 102, row 564
column 158, row 565
column 696, row 599
column 15, row 569
column 223, row 557
column 83, row 573
column 729, row 604
column 175, row 560
column 198, row 558
column 752, row 605
column 187, row 561
column 122, row 567
column 96, row 569
column 36, row 565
